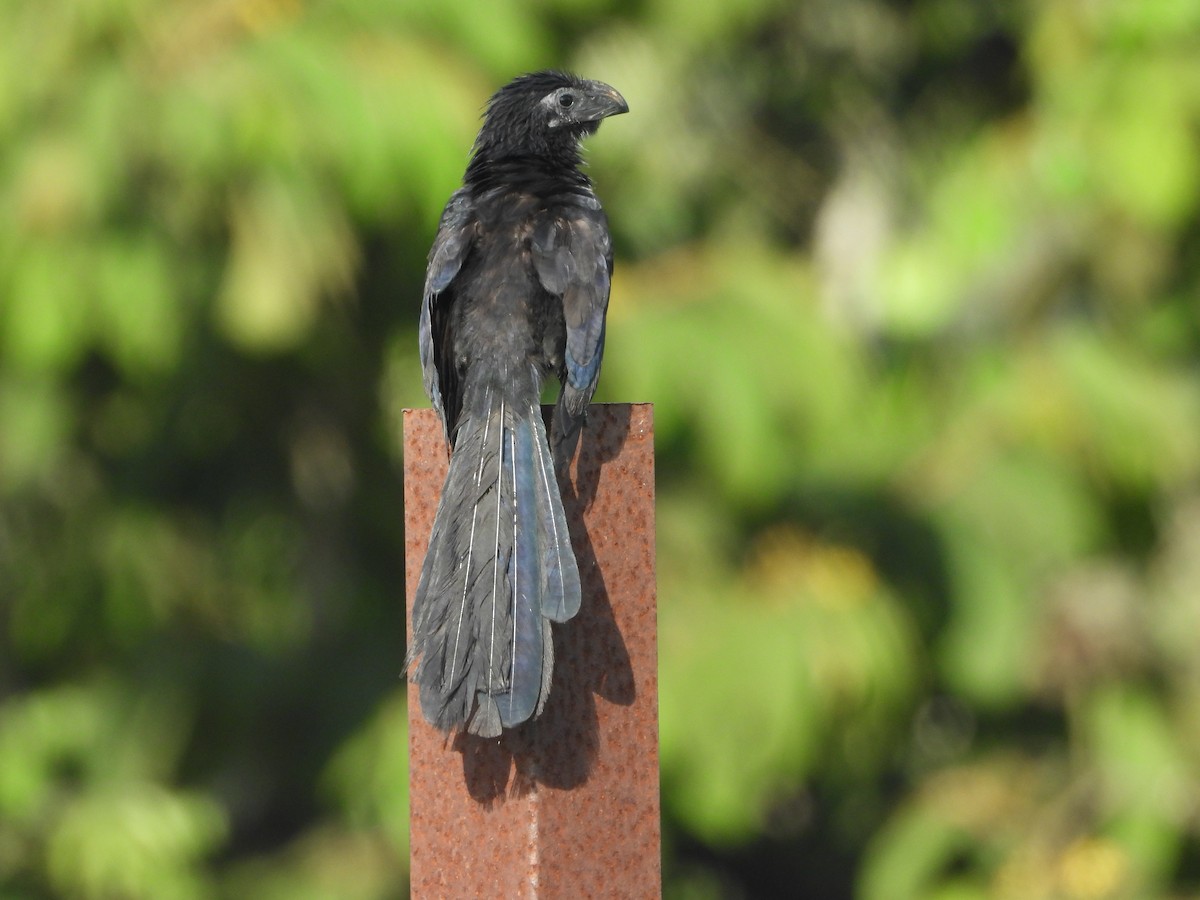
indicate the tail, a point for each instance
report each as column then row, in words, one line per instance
column 498, row 570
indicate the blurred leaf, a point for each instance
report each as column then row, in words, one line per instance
column 34, row 420
column 46, row 319
column 808, row 640
column 322, row 864
column 41, row 736
column 141, row 315
column 914, row 850
column 984, row 651
column 369, row 776
column 138, row 842
column 1136, row 751
column 1146, row 147
column 291, row 248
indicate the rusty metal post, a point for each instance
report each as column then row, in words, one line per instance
column 566, row 806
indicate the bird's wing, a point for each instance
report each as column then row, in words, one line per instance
column 456, row 233
column 572, row 253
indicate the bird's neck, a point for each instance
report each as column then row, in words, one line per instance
column 528, row 171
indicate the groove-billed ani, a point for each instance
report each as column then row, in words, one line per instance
column 517, row 288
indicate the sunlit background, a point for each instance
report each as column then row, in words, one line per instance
column 913, row 285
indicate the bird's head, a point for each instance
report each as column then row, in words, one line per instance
column 545, row 114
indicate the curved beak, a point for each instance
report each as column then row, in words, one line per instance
column 600, row 102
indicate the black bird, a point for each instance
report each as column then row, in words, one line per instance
column 516, row 289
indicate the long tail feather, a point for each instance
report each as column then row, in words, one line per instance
column 528, row 653
column 498, row 569
column 561, row 589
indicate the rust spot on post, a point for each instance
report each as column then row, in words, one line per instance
column 565, row 806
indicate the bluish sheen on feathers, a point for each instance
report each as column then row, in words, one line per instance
column 516, row 289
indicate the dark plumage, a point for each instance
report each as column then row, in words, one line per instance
column 516, row 289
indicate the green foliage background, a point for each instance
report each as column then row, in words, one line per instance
column 913, row 285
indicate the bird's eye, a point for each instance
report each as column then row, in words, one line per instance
column 566, row 101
